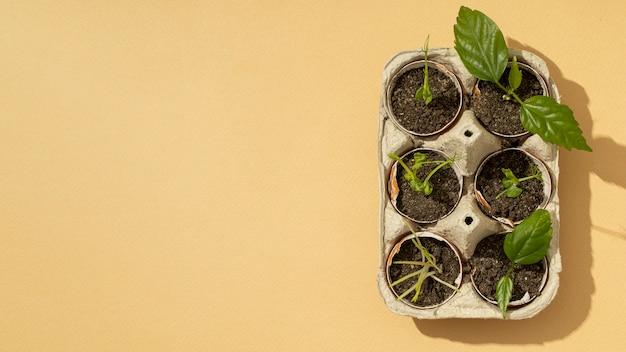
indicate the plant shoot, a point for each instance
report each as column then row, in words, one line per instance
column 527, row 244
column 411, row 172
column 424, row 93
column 511, row 183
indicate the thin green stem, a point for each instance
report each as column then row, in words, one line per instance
column 501, row 193
column 401, row 162
column 536, row 174
column 406, row 293
column 510, row 271
column 526, row 178
column 425, row 254
column 432, row 172
column 418, row 286
column 406, row 277
column 445, row 283
column 416, row 241
column 422, row 272
column 510, row 93
column 409, row 262
column 519, row 100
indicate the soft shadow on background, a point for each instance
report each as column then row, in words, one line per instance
column 571, row 306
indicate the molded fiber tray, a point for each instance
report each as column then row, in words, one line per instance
column 471, row 148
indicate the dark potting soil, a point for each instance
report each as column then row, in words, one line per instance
column 489, row 263
column 415, row 115
column 498, row 114
column 489, row 183
column 432, row 292
column 432, row 207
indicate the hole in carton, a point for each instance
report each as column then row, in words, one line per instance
column 468, row 133
column 468, row 220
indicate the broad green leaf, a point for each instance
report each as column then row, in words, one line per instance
column 515, row 75
column 504, row 292
column 553, row 122
column 480, row 45
column 528, row 243
column 513, row 191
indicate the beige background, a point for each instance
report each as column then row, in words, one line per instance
column 201, row 175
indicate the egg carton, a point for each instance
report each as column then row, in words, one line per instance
column 467, row 224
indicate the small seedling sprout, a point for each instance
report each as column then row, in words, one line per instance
column 424, row 93
column 427, row 268
column 510, row 182
column 411, row 173
column 515, row 80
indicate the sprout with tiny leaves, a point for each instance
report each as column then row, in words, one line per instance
column 424, row 93
column 411, row 173
column 515, row 80
column 510, row 182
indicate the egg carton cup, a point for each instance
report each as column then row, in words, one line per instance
column 470, row 142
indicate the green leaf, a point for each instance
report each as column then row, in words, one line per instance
column 509, row 178
column 510, row 183
column 419, row 95
column 504, row 292
column 424, row 93
column 419, row 159
column 480, row 45
column 428, row 95
column 553, row 122
column 515, row 75
column 528, row 243
column 513, row 191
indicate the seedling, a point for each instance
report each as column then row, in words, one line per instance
column 482, row 49
column 527, row 244
column 411, row 173
column 424, row 92
column 515, row 80
column 427, row 267
column 510, row 182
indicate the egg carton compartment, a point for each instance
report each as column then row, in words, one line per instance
column 466, row 225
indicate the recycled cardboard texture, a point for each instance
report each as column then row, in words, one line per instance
column 470, row 151
column 203, row 175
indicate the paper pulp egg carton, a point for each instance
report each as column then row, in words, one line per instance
column 468, row 140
